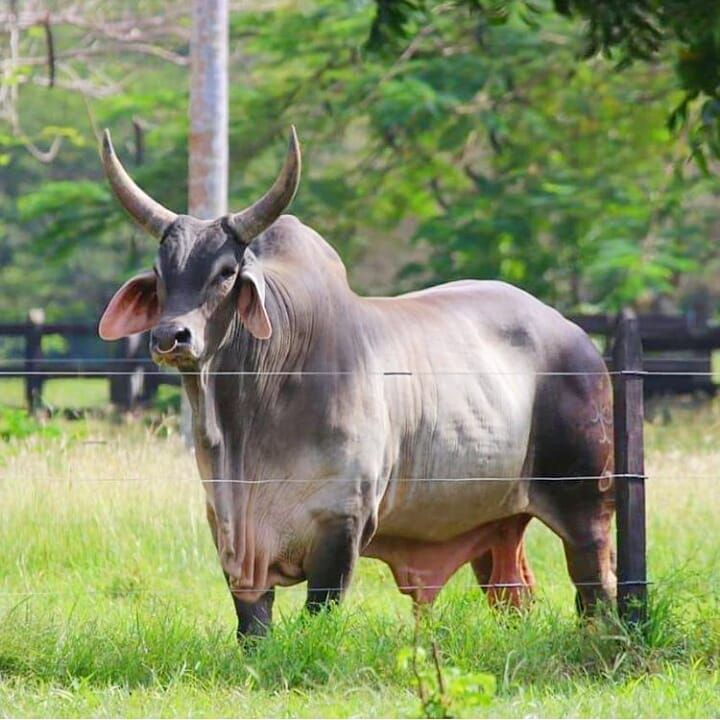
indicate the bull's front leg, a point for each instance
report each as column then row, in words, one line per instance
column 254, row 619
column 330, row 562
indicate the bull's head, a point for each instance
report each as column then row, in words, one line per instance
column 204, row 270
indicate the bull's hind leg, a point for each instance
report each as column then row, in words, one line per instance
column 585, row 531
column 589, row 560
column 575, row 440
column 503, row 571
column 582, row 518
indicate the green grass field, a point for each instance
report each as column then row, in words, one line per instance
column 112, row 602
column 76, row 393
column 67, row 392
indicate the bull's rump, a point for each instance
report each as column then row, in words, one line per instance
column 460, row 425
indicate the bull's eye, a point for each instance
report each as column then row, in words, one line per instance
column 226, row 273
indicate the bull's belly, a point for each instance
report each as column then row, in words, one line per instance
column 430, row 526
column 450, row 484
column 431, row 529
column 462, row 462
column 440, row 510
column 421, row 568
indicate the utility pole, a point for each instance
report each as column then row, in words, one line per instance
column 208, row 145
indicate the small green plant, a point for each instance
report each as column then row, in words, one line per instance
column 444, row 692
column 17, row 424
column 127, row 585
column 167, row 400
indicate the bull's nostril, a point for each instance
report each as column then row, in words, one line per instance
column 166, row 338
column 182, row 336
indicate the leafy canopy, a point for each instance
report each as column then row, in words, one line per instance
column 476, row 144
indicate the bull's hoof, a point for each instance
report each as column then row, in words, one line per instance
column 250, row 634
column 602, row 605
column 505, row 599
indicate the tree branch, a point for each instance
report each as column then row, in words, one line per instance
column 50, row 45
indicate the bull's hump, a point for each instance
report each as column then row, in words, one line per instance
column 289, row 236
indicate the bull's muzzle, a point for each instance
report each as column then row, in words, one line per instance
column 172, row 344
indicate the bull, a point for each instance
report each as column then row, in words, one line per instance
column 424, row 430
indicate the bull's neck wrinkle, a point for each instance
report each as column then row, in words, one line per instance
column 307, row 322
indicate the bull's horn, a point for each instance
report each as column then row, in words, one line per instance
column 263, row 213
column 147, row 213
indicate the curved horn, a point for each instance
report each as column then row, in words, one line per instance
column 263, row 213
column 147, row 213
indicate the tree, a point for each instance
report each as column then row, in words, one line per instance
column 67, row 70
column 474, row 148
column 208, row 145
column 624, row 30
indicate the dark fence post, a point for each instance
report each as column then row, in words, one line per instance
column 33, row 353
column 152, row 378
column 630, row 469
column 126, row 384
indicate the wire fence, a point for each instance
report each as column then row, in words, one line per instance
column 313, row 373
column 294, row 480
column 291, row 481
column 42, row 360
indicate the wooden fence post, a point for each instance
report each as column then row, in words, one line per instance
column 629, row 469
column 33, row 353
column 126, row 385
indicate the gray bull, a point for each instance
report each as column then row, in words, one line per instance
column 424, row 430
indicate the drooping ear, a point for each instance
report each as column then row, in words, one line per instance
column 251, row 299
column 134, row 308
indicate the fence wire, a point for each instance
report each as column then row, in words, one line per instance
column 265, row 481
column 138, row 363
column 41, row 360
column 382, row 373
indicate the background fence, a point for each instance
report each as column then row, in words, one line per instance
column 677, row 356
column 126, row 369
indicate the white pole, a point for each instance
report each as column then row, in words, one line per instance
column 208, row 142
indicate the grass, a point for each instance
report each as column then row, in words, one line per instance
column 61, row 393
column 78, row 394
column 112, row 602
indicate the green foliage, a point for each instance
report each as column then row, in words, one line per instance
column 167, row 400
column 16, row 424
column 473, row 141
column 60, row 196
column 445, row 692
column 629, row 30
column 541, row 175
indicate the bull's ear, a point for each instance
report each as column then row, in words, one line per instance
column 251, row 299
column 134, row 308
